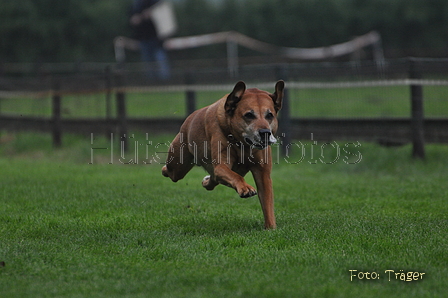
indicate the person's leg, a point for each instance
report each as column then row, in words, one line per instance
column 148, row 56
column 164, row 71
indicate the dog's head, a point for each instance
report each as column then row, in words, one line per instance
column 252, row 114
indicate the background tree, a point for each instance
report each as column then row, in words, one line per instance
column 52, row 30
column 83, row 30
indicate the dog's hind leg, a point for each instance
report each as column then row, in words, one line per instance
column 179, row 161
column 208, row 183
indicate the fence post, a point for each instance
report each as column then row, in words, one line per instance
column 56, row 115
column 108, row 79
column 121, row 112
column 285, row 114
column 417, row 122
column 190, row 95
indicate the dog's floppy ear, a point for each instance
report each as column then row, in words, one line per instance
column 277, row 97
column 234, row 97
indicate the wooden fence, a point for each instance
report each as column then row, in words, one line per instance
column 415, row 129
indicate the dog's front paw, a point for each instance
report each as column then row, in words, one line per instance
column 247, row 191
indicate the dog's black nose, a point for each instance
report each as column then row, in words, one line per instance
column 265, row 134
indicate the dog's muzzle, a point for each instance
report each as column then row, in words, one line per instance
column 263, row 139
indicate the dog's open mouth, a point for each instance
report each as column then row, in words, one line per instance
column 255, row 145
column 258, row 145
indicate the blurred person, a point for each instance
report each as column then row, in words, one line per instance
column 144, row 30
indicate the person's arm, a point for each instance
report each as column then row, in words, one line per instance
column 137, row 18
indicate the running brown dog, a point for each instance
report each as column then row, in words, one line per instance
column 228, row 139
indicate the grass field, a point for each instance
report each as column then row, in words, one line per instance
column 340, row 102
column 73, row 229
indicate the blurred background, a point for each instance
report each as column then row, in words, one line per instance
column 381, row 64
column 83, row 30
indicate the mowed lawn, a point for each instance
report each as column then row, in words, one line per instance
column 73, row 229
column 392, row 101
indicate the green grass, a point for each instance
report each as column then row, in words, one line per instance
column 344, row 102
column 73, row 229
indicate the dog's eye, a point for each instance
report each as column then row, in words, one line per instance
column 269, row 116
column 249, row 115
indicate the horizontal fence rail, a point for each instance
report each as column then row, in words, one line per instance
column 415, row 129
column 387, row 131
column 229, row 87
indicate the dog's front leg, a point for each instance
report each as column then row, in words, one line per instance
column 224, row 175
column 262, row 177
column 220, row 167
